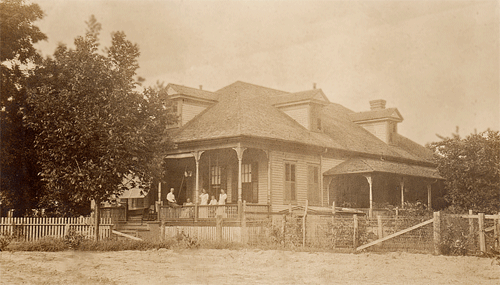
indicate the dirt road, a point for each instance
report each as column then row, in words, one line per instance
column 242, row 267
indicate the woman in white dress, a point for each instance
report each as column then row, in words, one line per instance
column 222, row 202
column 203, row 201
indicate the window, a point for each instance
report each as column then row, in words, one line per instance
column 246, row 173
column 215, row 173
column 319, row 124
column 290, row 182
column 313, row 191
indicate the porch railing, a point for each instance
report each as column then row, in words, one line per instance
column 115, row 214
column 209, row 212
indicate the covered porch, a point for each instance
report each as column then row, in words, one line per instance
column 373, row 185
column 241, row 172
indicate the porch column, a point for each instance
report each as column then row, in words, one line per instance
column 402, row 186
column 239, row 153
column 197, row 156
column 429, row 198
column 268, row 153
column 370, row 182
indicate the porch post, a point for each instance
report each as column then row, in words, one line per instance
column 239, row 153
column 197, row 156
column 370, row 182
column 268, row 152
column 429, row 198
column 402, row 186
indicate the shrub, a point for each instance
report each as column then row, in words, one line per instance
column 43, row 244
column 5, row 240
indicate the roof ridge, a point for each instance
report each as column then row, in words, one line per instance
column 260, row 86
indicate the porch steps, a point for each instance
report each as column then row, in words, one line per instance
column 133, row 228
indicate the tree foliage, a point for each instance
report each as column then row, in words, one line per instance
column 19, row 183
column 18, row 34
column 93, row 127
column 471, row 167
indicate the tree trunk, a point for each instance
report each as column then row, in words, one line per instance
column 97, row 216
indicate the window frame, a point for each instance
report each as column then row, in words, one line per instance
column 290, row 182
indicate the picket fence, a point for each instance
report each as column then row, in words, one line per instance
column 32, row 229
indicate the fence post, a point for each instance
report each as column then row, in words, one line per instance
column 437, row 232
column 162, row 230
column 66, row 229
column 471, row 223
column 244, row 233
column 380, row 231
column 355, row 230
column 218, row 227
column 482, row 240
column 304, row 224
column 496, row 232
column 283, row 228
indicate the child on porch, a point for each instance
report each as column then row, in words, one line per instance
column 213, row 201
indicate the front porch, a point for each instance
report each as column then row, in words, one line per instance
column 372, row 186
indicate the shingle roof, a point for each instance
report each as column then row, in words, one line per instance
column 184, row 90
column 363, row 165
column 245, row 109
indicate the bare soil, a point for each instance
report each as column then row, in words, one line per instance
column 248, row 266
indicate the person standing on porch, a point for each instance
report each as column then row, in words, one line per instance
column 203, row 211
column 222, row 202
column 222, row 197
column 203, row 197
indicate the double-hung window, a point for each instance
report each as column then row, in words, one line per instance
column 290, row 193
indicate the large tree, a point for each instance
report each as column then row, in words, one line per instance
column 471, row 167
column 19, row 183
column 94, row 129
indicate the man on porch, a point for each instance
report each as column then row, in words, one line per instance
column 171, row 199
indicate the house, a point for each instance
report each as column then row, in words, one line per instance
column 275, row 148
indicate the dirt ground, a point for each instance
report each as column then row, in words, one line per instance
column 250, row 266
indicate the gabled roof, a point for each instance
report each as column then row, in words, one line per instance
column 390, row 113
column 174, row 89
column 245, row 109
column 363, row 165
column 316, row 95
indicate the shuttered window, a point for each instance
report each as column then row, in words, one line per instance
column 290, row 183
column 313, row 191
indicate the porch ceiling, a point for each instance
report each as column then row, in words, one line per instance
column 364, row 165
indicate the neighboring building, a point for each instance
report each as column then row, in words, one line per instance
column 266, row 146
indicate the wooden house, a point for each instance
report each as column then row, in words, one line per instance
column 276, row 149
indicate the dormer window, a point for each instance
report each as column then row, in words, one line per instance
column 380, row 121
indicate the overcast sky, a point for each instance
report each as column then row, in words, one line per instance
column 436, row 61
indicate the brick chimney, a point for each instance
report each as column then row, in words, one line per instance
column 201, row 87
column 377, row 104
column 314, row 85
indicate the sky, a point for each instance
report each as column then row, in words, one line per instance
column 436, row 61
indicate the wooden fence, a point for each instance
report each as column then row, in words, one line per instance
column 31, row 229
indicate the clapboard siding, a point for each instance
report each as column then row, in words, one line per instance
column 299, row 113
column 190, row 110
column 327, row 164
column 278, row 160
column 262, row 198
column 379, row 129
